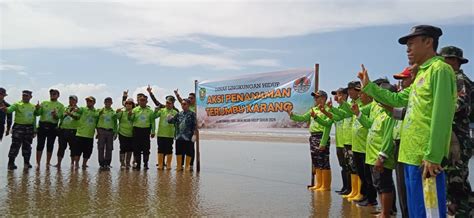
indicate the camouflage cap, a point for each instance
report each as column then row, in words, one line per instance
column 453, row 52
column 319, row 93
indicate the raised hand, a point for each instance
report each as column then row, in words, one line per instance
column 176, row 92
column 38, row 106
column 148, row 89
column 125, row 93
column 363, row 76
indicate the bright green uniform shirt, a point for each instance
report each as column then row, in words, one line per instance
column 321, row 123
column 46, row 109
column 379, row 139
column 396, row 130
column 143, row 118
column 24, row 113
column 430, row 101
column 125, row 125
column 165, row 129
column 107, row 119
column 339, row 124
column 359, row 134
column 87, row 122
column 67, row 121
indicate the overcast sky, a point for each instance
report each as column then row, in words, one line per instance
column 102, row 48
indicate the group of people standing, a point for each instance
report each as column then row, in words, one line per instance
column 134, row 124
column 418, row 128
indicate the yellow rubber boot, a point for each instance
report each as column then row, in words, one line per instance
column 179, row 162
column 161, row 158
column 358, row 196
column 326, row 180
column 187, row 167
column 353, row 187
column 169, row 158
column 318, row 177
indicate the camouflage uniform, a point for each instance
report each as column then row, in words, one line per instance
column 459, row 190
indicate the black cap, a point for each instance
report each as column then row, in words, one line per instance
column 453, row 52
column 388, row 86
column 108, row 99
column 170, row 98
column 3, row 91
column 422, row 30
column 319, row 93
column 343, row 90
column 27, row 92
column 54, row 91
column 354, row 85
column 380, row 81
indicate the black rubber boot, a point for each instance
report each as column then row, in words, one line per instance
column 11, row 164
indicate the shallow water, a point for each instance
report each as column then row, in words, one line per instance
column 236, row 179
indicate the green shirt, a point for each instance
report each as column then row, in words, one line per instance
column 359, row 134
column 143, row 118
column 165, row 129
column 107, row 119
column 346, row 129
column 339, row 124
column 87, row 122
column 430, row 102
column 67, row 121
column 321, row 123
column 125, row 125
column 192, row 108
column 396, row 130
column 46, row 110
column 24, row 113
column 379, row 139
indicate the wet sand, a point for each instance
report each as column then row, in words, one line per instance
column 237, row 178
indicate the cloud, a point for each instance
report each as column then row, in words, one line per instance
column 56, row 24
column 10, row 67
column 211, row 55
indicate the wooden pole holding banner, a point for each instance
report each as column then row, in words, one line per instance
column 198, row 153
column 316, row 88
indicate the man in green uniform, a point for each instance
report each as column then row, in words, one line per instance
column 166, row 132
column 340, row 96
column 24, row 129
column 457, row 170
column 320, row 127
column 430, row 102
column 50, row 113
column 88, row 117
column 406, row 78
column 353, row 90
column 143, row 121
column 106, row 133
column 67, row 129
column 125, row 131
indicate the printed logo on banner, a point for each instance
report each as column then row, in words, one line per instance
column 302, row 84
column 202, row 94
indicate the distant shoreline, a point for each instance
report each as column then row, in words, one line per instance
column 254, row 136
